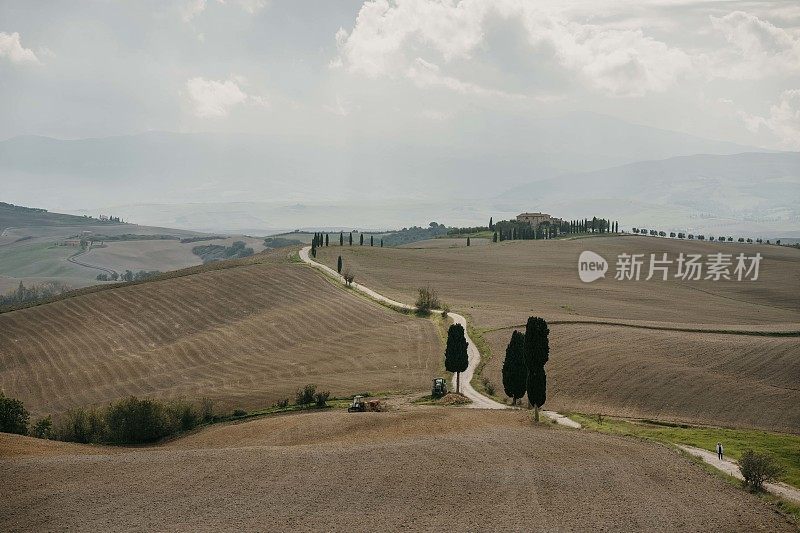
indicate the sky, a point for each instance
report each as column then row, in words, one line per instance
column 322, row 69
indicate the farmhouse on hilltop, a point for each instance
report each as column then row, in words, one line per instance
column 534, row 219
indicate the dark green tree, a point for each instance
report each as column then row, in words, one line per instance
column 351, row 239
column 361, row 243
column 537, row 352
column 467, row 241
column 456, row 358
column 13, row 416
column 515, row 372
column 341, row 238
column 494, row 237
column 339, row 265
column 372, row 240
column 491, row 224
column 326, row 239
column 381, row 243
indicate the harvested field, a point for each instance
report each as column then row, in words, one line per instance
column 306, row 472
column 245, row 336
column 654, row 370
column 446, row 243
column 702, row 378
column 502, row 284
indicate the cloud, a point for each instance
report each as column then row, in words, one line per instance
column 11, row 48
column 403, row 38
column 783, row 120
column 757, row 48
column 211, row 98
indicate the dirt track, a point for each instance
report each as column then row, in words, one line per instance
column 442, row 469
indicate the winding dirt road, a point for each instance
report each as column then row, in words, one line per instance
column 479, row 401
column 732, row 469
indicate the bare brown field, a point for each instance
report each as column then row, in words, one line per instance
column 446, row 243
column 702, row 378
column 651, row 370
column 424, row 469
column 245, row 336
column 503, row 283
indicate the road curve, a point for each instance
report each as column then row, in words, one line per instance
column 72, row 259
column 479, row 401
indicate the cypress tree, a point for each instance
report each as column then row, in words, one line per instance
column 456, row 358
column 491, row 224
column 361, row 243
column 494, row 237
column 341, row 238
column 537, row 351
column 326, row 239
column 372, row 240
column 351, row 238
column 467, row 241
column 339, row 265
column 515, row 373
column 381, row 243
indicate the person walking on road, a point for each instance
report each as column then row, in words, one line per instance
column 720, row 449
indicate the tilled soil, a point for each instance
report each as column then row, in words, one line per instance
column 421, row 469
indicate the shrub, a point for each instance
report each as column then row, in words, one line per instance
column 305, row 395
column 758, row 468
column 80, row 425
column 348, row 276
column 206, row 409
column 239, row 412
column 321, row 398
column 43, row 428
column 282, row 403
column 445, row 310
column 181, row 416
column 427, row 300
column 134, row 421
column 13, row 416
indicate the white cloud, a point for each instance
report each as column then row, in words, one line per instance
column 397, row 39
column 211, row 98
column 783, row 120
column 192, row 8
column 11, row 48
column 757, row 48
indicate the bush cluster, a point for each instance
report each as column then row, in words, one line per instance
column 13, row 416
column 133, row 421
column 757, row 469
column 427, row 300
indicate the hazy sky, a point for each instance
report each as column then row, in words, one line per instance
column 724, row 70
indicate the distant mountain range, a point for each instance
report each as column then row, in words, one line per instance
column 217, row 182
column 752, row 192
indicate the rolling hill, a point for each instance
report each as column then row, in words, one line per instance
column 667, row 349
column 407, row 469
column 244, row 334
column 746, row 193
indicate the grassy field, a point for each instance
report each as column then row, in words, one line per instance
column 375, row 471
column 785, row 448
column 245, row 336
column 655, row 370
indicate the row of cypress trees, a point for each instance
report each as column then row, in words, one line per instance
column 523, row 368
column 323, row 239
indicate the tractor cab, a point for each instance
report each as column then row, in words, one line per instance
column 439, row 388
column 358, row 405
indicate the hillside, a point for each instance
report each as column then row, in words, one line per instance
column 244, row 336
column 746, row 193
column 17, row 216
column 667, row 371
column 334, row 471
